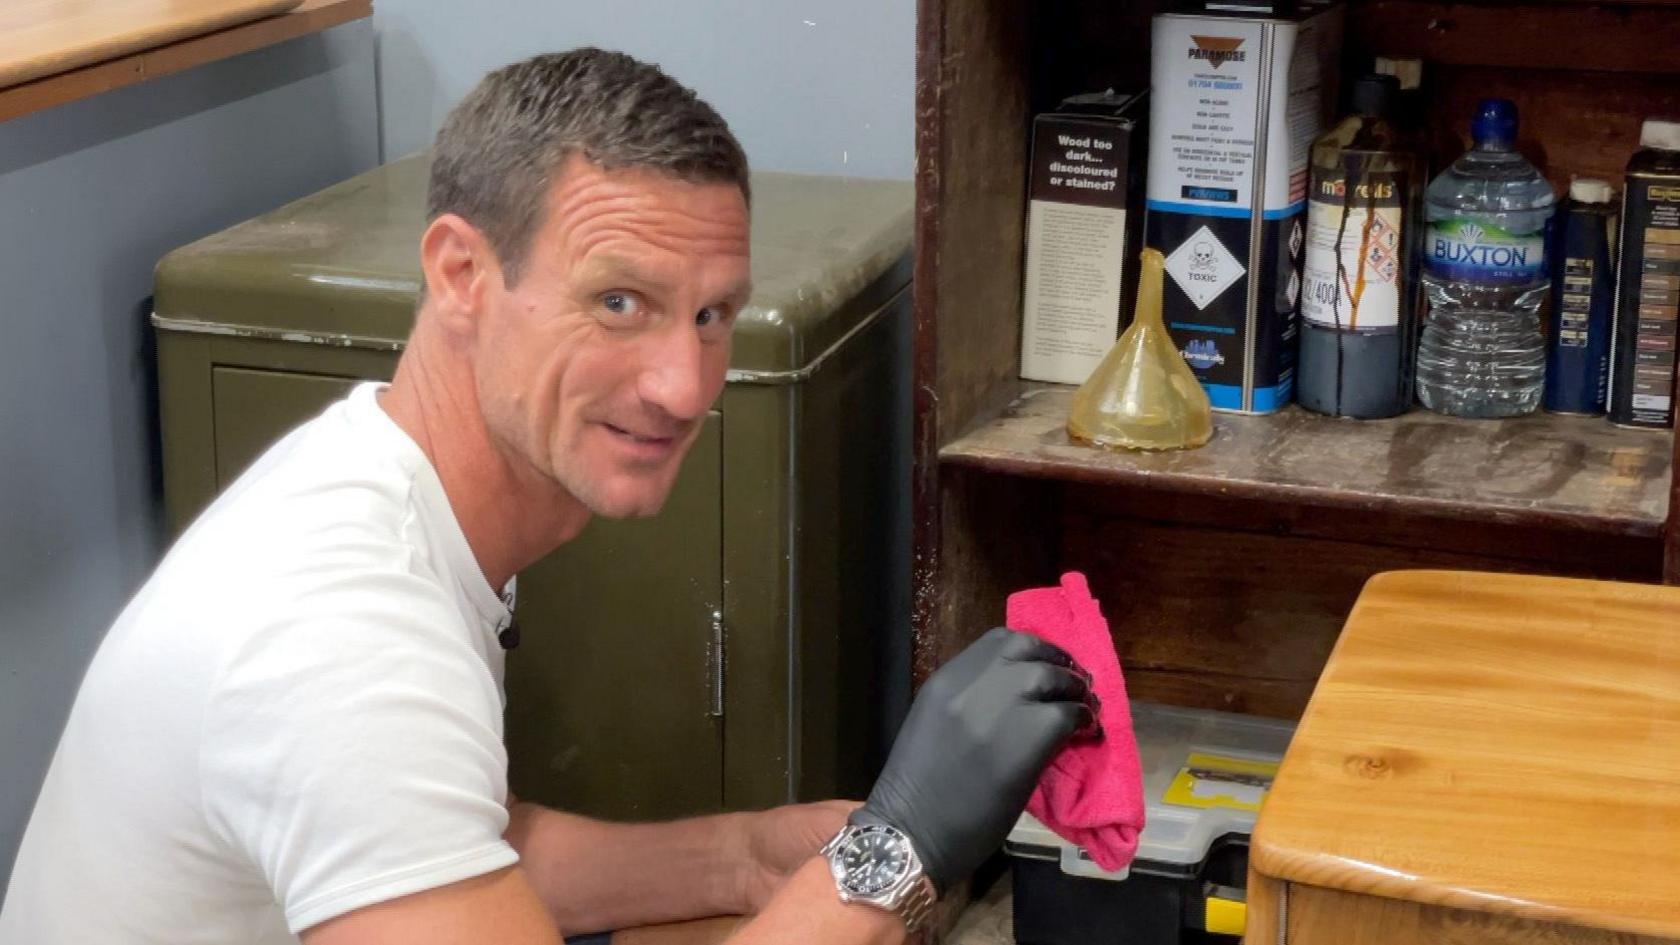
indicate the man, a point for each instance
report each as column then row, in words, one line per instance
column 294, row 729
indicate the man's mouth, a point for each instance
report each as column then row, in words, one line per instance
column 639, row 437
column 642, row 444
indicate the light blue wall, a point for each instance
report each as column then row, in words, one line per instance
column 809, row 86
column 91, row 195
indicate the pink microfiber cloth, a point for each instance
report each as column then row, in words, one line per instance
column 1092, row 793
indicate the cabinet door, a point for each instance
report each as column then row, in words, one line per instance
column 613, row 698
column 254, row 408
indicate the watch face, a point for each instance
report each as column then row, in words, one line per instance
column 874, row 860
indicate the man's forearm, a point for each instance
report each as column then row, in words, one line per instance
column 808, row 910
column 595, row 876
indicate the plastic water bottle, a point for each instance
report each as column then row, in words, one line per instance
column 1485, row 276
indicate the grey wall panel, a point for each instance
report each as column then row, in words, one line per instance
column 91, row 195
column 809, row 86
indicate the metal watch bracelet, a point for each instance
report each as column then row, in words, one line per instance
column 917, row 906
column 912, row 902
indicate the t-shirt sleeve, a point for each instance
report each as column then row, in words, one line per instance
column 352, row 750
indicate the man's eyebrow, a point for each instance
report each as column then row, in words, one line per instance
column 617, row 268
column 738, row 296
column 626, row 270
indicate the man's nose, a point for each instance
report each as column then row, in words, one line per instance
column 679, row 376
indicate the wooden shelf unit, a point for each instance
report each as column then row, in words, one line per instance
column 1227, row 573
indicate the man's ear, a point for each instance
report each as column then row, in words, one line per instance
column 459, row 267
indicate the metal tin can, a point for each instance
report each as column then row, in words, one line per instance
column 1235, row 100
column 1583, row 298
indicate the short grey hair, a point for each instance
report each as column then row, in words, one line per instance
column 498, row 150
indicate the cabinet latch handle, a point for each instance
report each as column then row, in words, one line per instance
column 714, row 655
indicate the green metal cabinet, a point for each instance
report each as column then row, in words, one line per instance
column 729, row 653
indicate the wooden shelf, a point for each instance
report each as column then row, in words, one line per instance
column 1546, row 470
column 312, row 16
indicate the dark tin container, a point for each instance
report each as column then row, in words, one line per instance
column 1648, row 287
column 1583, row 300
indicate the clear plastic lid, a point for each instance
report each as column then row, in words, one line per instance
column 1204, row 775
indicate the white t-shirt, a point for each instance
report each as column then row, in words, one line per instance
column 298, row 715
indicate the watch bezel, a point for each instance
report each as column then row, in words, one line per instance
column 911, row 896
column 855, row 836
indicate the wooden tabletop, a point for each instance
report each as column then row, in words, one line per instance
column 20, row 54
column 1496, row 743
column 43, row 37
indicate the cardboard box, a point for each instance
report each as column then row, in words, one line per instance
column 1084, row 225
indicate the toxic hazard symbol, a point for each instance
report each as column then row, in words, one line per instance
column 1203, row 268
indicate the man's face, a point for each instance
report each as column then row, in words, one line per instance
column 598, row 368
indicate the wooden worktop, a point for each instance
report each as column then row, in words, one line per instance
column 42, row 37
column 1493, row 743
column 56, row 51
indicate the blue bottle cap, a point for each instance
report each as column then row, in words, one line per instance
column 1495, row 122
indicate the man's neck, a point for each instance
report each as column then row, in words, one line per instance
column 511, row 515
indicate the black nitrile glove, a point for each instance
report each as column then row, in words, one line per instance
column 979, row 735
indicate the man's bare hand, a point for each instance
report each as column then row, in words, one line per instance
column 777, row 842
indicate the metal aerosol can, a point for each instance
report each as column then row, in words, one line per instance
column 1583, row 296
column 1648, row 288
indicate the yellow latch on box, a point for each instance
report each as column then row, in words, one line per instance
column 1226, row 916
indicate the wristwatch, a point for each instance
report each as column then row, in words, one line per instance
column 875, row 864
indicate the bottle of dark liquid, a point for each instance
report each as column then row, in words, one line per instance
column 1358, row 300
column 1583, row 294
column 1648, row 285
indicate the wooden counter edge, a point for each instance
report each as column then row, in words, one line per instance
column 1272, row 867
column 61, row 88
column 1281, row 913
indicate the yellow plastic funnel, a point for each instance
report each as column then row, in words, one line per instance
column 1143, row 396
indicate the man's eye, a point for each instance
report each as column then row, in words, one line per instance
column 619, row 303
column 707, row 316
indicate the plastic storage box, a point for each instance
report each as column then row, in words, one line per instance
column 1205, row 774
